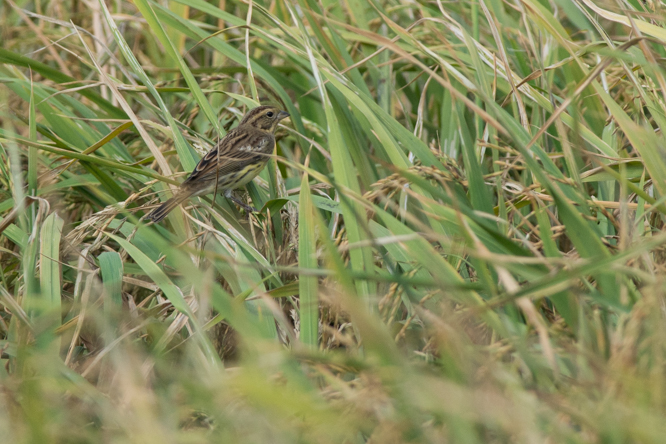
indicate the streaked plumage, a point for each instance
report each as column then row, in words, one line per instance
column 233, row 162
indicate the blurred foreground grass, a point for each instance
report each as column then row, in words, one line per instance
column 460, row 237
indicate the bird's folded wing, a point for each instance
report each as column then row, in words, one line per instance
column 233, row 153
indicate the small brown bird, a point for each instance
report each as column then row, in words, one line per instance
column 233, row 162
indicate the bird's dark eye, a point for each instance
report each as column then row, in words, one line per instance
column 270, row 114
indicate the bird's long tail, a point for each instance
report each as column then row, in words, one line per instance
column 163, row 210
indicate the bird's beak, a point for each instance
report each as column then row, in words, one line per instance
column 282, row 115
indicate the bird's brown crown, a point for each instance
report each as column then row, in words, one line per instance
column 265, row 118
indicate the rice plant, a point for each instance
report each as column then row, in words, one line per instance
column 457, row 239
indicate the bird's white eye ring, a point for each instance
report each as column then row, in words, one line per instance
column 270, row 113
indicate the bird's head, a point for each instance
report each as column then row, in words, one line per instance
column 265, row 118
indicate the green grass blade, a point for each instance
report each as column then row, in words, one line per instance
column 307, row 258
column 50, row 279
column 111, row 267
column 33, row 154
column 171, row 291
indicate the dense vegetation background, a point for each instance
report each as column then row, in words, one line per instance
column 460, row 236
